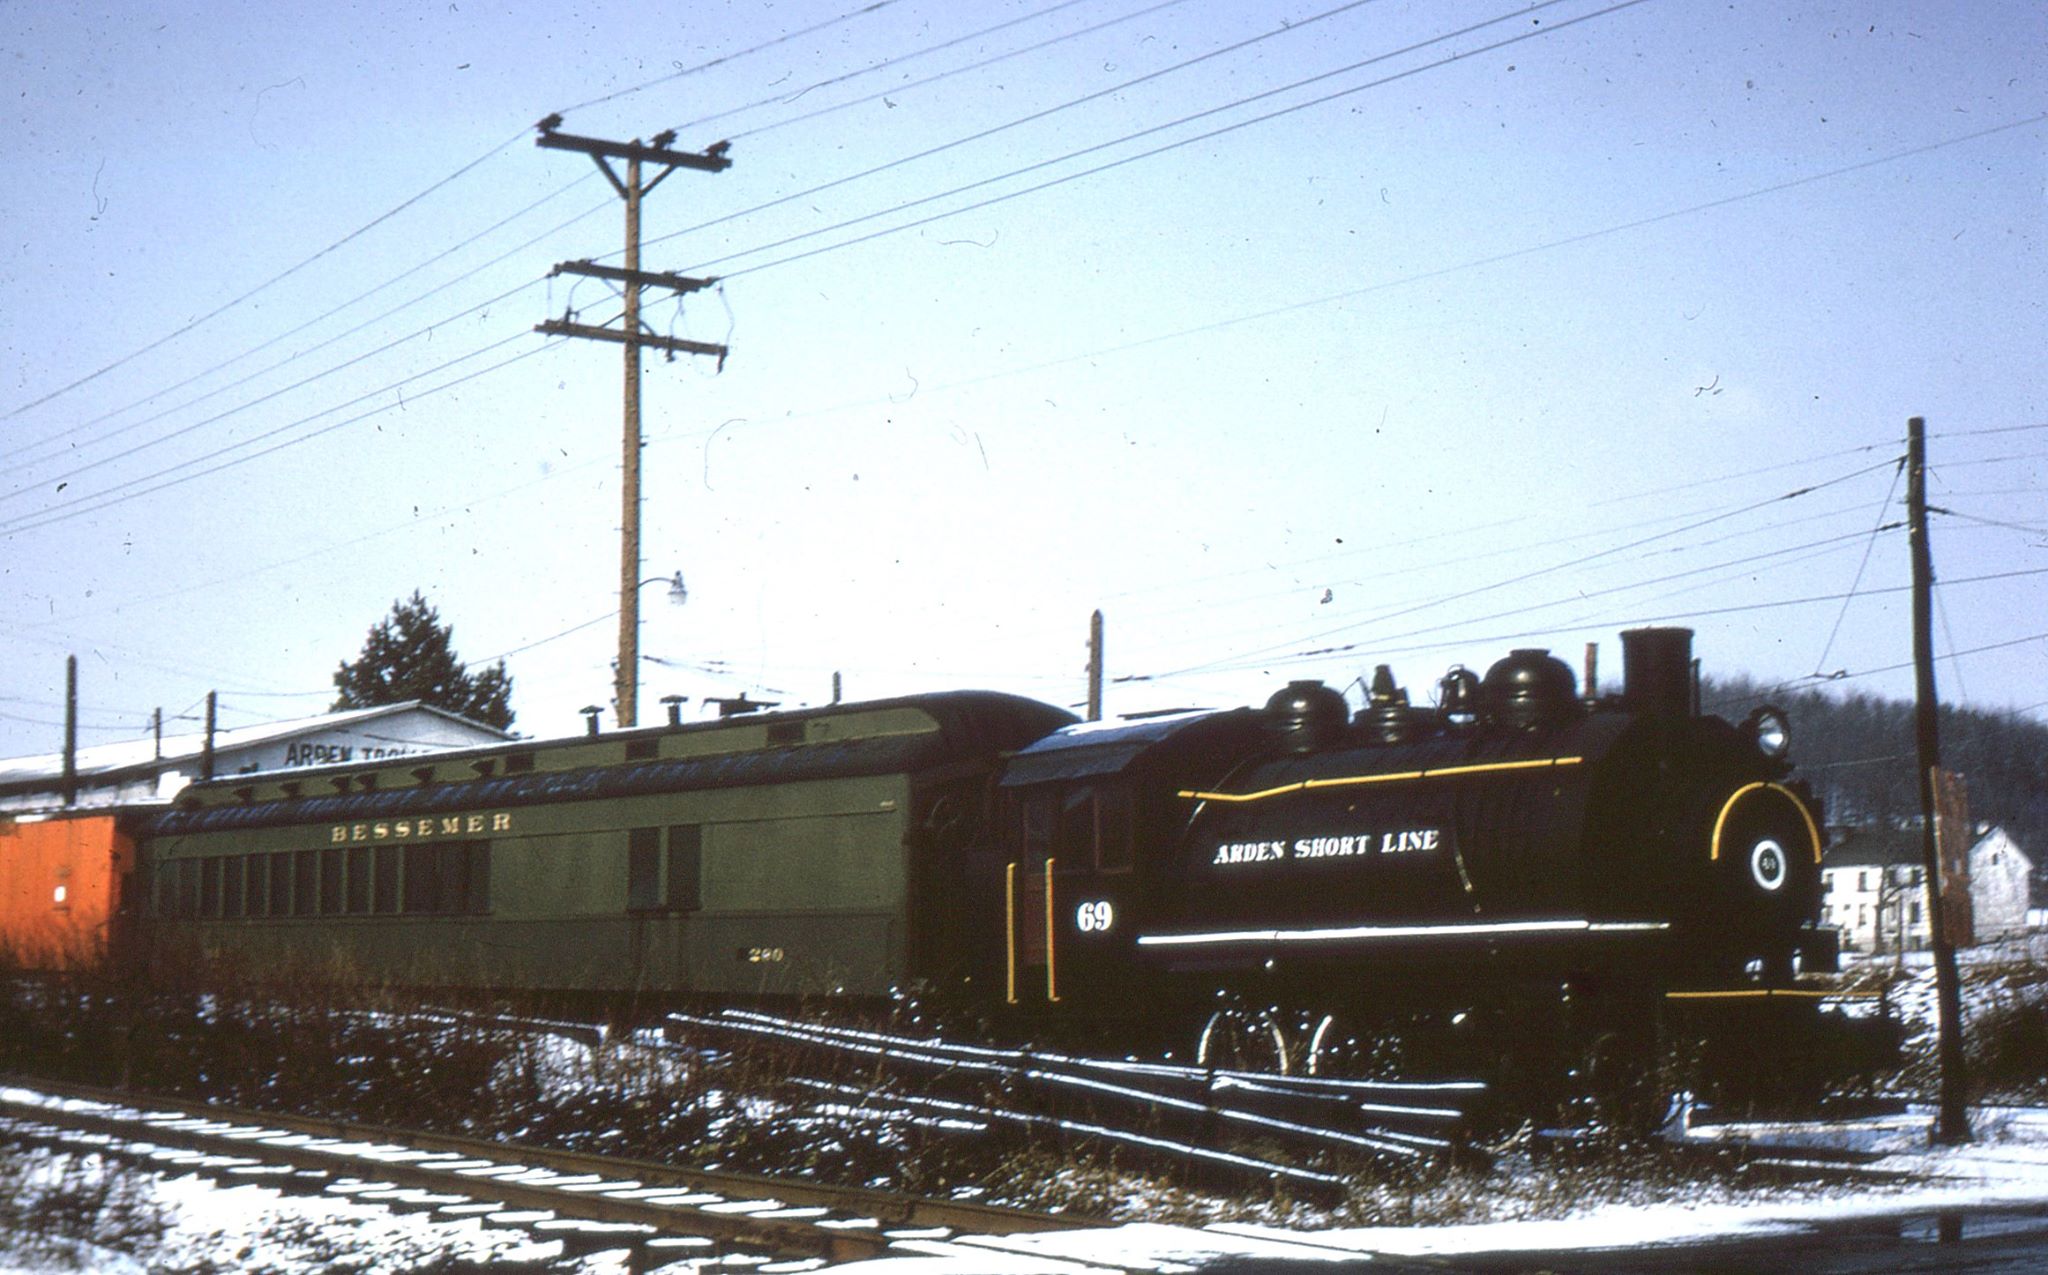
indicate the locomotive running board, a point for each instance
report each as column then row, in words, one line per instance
column 1399, row 933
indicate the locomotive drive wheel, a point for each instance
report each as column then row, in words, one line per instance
column 1240, row 1039
column 1335, row 1048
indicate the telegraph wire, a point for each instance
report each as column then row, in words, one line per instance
column 1941, row 609
column 722, row 59
column 146, row 444
column 612, row 614
column 1328, row 654
column 1539, row 572
column 317, row 319
column 223, row 308
column 1115, row 141
column 1789, row 555
column 1035, row 116
column 408, row 203
column 1471, row 264
column 428, row 330
column 1381, row 575
column 72, row 509
column 1951, row 655
column 1406, row 280
column 337, row 546
column 1974, row 462
column 2001, row 429
column 929, row 80
column 1494, row 260
column 556, row 193
column 1828, row 647
column 6, row 528
column 1749, row 561
column 1759, row 471
column 1989, row 522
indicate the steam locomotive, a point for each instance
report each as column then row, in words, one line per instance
column 1516, row 844
column 1514, row 839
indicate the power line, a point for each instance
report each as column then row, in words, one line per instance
column 1539, row 572
column 1349, row 650
column 401, row 207
column 1990, row 522
column 145, row 445
column 1495, row 260
column 2002, row 429
column 350, row 237
column 1113, row 142
column 1381, row 575
column 721, row 60
column 317, row 319
column 895, row 90
column 1861, row 566
column 74, row 509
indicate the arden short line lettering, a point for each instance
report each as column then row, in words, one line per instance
column 1406, row 841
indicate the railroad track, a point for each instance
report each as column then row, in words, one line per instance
column 1187, row 1115
column 664, row 1212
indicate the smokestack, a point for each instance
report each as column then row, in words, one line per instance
column 1657, row 672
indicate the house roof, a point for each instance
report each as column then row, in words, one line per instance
column 1880, row 847
column 103, row 762
column 1873, row 847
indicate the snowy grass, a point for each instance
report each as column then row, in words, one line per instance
column 58, row 1211
column 2005, row 1020
column 64, row 1211
column 363, row 1052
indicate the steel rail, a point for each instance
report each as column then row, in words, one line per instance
column 799, row 1237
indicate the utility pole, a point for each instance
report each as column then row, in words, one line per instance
column 1952, row 1124
column 70, row 729
column 1095, row 667
column 212, row 719
column 632, row 188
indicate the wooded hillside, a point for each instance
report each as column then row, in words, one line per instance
column 1857, row 751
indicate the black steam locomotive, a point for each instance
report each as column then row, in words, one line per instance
column 1514, row 843
column 1517, row 843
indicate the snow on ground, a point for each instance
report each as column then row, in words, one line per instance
column 254, row 1228
column 214, row 1228
column 209, row 1227
column 2006, row 1166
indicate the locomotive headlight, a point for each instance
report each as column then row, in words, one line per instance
column 1767, row 729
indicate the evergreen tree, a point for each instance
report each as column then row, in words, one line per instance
column 410, row 655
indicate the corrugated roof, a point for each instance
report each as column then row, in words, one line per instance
column 103, row 760
column 1097, row 748
column 887, row 754
column 1873, row 847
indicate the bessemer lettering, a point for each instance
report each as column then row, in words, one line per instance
column 419, row 829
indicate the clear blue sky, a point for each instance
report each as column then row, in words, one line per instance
column 1488, row 347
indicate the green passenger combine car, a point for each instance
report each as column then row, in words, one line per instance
column 819, row 851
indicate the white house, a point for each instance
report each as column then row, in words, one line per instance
column 1873, row 889
column 147, row 770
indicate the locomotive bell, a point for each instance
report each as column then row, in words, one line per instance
column 1458, row 697
column 1387, row 718
column 1305, row 716
column 1529, row 688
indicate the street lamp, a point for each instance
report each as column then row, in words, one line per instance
column 627, row 675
